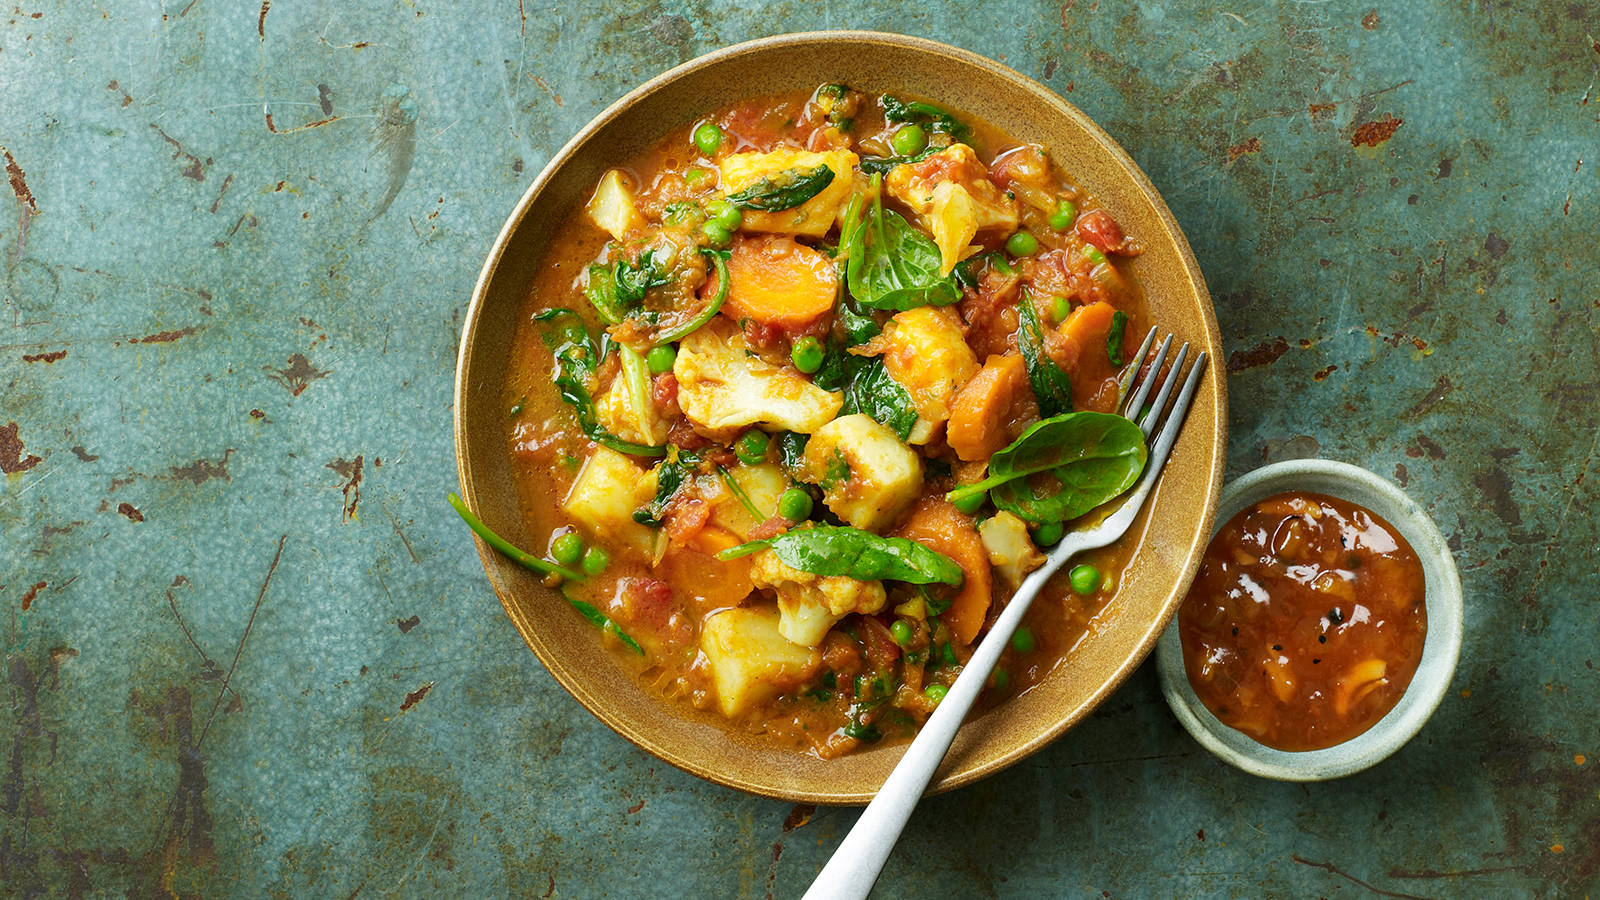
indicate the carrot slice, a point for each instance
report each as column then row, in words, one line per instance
column 709, row 583
column 777, row 281
column 978, row 414
column 1088, row 326
column 939, row 526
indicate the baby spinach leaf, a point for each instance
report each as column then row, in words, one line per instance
column 853, row 553
column 791, row 450
column 677, row 470
column 925, row 114
column 617, row 289
column 578, row 356
column 880, row 165
column 1063, row 467
column 873, row 392
column 1119, row 324
column 1051, row 386
column 785, row 190
column 893, row 265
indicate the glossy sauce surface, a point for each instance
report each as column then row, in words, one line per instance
column 1306, row 622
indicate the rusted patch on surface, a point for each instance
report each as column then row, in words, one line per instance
column 1322, row 373
column 131, row 511
column 1495, row 245
column 1495, row 485
column 32, row 594
column 1253, row 145
column 1431, row 398
column 83, row 455
column 202, row 470
column 636, row 807
column 1332, row 869
column 405, row 625
column 1321, row 111
column 44, row 357
column 350, row 470
column 163, row 337
column 415, row 697
column 798, row 817
column 12, row 460
column 1425, row 446
column 298, row 375
column 195, row 170
column 261, row 20
column 19, row 182
column 1375, row 132
column 1402, row 475
column 1370, row 20
column 1263, row 354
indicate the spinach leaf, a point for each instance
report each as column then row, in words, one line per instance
column 1063, row 467
column 791, row 450
column 873, row 392
column 1119, row 324
column 619, row 288
column 893, row 265
column 603, row 622
column 853, row 553
column 578, row 355
column 719, row 260
column 786, row 190
column 925, row 114
column 1051, row 386
column 880, row 165
column 677, row 470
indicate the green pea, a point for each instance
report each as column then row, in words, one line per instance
column 1022, row 244
column 567, row 549
column 935, row 692
column 716, row 235
column 595, row 560
column 752, row 447
column 725, row 214
column 1061, row 307
column 1085, row 578
column 1000, row 680
column 707, row 138
column 695, row 178
column 795, row 505
column 901, row 632
column 1022, row 640
column 660, row 359
column 808, row 354
column 909, row 139
column 1062, row 218
column 971, row 503
column 1048, row 534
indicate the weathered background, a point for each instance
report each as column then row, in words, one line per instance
column 250, row 651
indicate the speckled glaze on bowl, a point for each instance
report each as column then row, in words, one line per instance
column 1440, row 649
column 1183, row 504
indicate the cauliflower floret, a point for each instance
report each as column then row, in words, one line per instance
column 612, row 206
column 925, row 351
column 750, row 660
column 1010, row 548
column 722, row 388
column 952, row 197
column 813, row 217
column 607, row 490
column 868, row 477
column 808, row 604
column 630, row 417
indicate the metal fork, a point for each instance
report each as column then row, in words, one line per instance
column 854, row 867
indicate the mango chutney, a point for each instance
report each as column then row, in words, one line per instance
column 1306, row 621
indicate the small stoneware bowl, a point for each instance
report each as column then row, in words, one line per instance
column 1170, row 535
column 1440, row 649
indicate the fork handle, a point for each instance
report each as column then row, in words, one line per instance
column 854, row 866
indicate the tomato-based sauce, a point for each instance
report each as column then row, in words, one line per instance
column 1306, row 622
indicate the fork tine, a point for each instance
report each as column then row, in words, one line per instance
column 1136, row 402
column 1180, row 408
column 1148, row 423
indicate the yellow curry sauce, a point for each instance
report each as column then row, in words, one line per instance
column 835, row 662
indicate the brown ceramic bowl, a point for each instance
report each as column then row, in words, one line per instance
column 1184, row 503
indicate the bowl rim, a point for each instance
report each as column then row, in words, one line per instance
column 1146, row 641
column 1441, row 650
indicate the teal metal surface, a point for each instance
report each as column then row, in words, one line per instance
column 250, row 651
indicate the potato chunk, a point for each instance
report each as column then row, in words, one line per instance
column 951, row 195
column 723, row 389
column 813, row 217
column 868, row 477
column 808, row 605
column 925, row 351
column 763, row 484
column 750, row 660
column 630, row 417
column 612, row 206
column 609, row 487
column 1011, row 549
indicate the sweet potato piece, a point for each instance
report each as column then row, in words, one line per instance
column 939, row 526
column 777, row 281
column 1088, row 326
column 978, row 414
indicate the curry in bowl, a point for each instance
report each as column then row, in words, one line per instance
column 797, row 397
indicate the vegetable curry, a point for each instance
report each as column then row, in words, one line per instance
column 802, row 392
